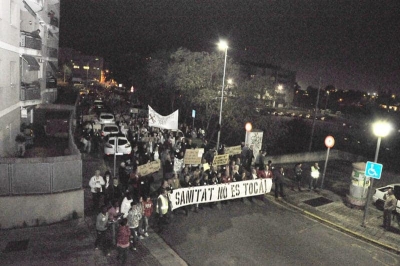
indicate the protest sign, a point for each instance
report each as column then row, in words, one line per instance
column 193, row 156
column 233, row 150
column 149, row 168
column 178, row 165
column 214, row 193
column 222, row 159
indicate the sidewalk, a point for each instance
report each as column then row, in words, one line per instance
column 330, row 209
column 72, row 243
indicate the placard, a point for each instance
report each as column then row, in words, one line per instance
column 193, row 156
column 149, row 168
column 233, row 150
column 178, row 165
column 222, row 159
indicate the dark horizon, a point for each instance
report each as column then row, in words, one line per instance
column 349, row 44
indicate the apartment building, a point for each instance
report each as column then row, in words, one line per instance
column 29, row 34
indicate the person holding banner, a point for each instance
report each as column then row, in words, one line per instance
column 185, row 184
column 162, row 209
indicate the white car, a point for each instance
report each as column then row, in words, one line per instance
column 378, row 197
column 106, row 118
column 109, row 129
column 123, row 146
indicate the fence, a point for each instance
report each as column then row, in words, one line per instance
column 29, row 176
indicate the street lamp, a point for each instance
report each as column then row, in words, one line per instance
column 222, row 45
column 87, row 73
column 280, row 88
column 381, row 129
column 329, row 142
column 248, row 128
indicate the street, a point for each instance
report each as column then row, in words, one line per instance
column 265, row 234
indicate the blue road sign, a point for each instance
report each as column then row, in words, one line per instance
column 373, row 170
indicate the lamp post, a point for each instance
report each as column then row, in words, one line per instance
column 248, row 128
column 381, row 129
column 329, row 142
column 222, row 45
column 280, row 88
column 87, row 74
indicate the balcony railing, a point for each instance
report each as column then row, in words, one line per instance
column 29, row 40
column 29, row 92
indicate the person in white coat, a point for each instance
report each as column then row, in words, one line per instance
column 96, row 183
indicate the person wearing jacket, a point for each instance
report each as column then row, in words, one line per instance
column 126, row 205
column 279, row 176
column 123, row 237
column 101, row 230
column 134, row 216
column 388, row 208
column 314, row 177
column 96, row 184
column 162, row 209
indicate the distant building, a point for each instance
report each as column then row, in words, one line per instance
column 284, row 81
column 28, row 63
column 86, row 68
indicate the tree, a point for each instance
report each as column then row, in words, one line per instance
column 198, row 76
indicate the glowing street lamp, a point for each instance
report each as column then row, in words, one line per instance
column 222, row 45
column 87, row 73
column 280, row 88
column 329, row 143
column 381, row 129
column 248, row 128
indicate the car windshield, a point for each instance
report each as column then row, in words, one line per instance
column 122, row 142
column 109, row 129
column 107, row 117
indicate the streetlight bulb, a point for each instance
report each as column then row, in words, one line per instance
column 381, row 129
column 230, row 81
column 223, row 45
column 280, row 87
column 248, row 127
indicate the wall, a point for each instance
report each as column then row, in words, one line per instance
column 315, row 157
column 34, row 210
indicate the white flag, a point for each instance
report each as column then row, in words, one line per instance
column 165, row 122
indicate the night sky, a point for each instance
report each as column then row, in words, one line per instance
column 349, row 44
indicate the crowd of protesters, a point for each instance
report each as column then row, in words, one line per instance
column 127, row 201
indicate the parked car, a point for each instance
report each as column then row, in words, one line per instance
column 118, row 144
column 379, row 196
column 106, row 118
column 109, row 129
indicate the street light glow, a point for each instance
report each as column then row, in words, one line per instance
column 230, row 81
column 381, row 128
column 280, row 87
column 222, row 45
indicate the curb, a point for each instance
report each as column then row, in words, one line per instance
column 336, row 226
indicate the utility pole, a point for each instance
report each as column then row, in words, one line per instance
column 315, row 117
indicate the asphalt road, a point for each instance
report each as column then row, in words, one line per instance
column 264, row 233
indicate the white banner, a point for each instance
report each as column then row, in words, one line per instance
column 213, row 193
column 165, row 122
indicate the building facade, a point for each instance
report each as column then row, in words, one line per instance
column 29, row 34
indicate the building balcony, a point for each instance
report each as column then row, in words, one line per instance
column 30, row 92
column 30, row 40
column 52, row 52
